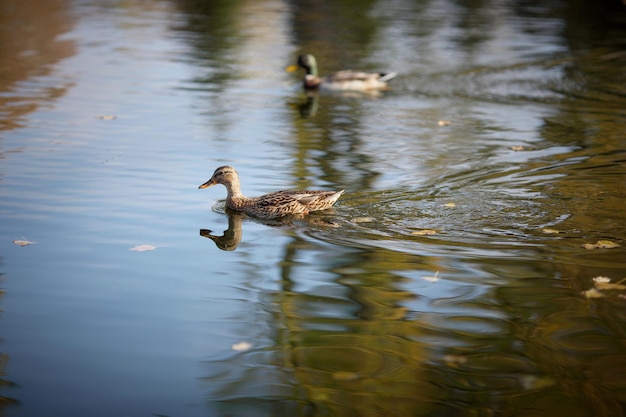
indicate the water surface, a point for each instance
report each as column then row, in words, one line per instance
column 450, row 279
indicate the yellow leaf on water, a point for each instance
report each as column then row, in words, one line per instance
column 517, row 148
column 607, row 244
column 449, row 205
column 142, row 248
column 592, row 293
column 23, row 242
column 601, row 244
column 604, row 283
column 424, row 232
column 444, row 122
column 550, row 231
column 107, row 117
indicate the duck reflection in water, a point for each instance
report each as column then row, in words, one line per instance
column 308, row 107
column 230, row 239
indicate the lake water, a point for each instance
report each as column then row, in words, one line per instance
column 473, row 267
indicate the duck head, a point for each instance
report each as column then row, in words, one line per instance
column 308, row 62
column 225, row 175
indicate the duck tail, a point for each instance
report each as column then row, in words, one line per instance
column 388, row 76
column 336, row 196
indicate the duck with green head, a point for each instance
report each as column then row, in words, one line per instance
column 346, row 80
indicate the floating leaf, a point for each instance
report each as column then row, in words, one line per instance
column 604, row 283
column 550, row 231
column 517, row 148
column 241, row 346
column 601, row 244
column 607, row 244
column 449, row 205
column 142, row 248
column 592, row 293
column 444, row 122
column 424, row 232
column 107, row 117
column 23, row 242
column 433, row 278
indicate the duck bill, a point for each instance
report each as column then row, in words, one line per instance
column 291, row 68
column 208, row 184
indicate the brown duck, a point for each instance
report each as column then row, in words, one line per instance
column 273, row 205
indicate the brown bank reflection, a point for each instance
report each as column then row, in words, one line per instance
column 29, row 47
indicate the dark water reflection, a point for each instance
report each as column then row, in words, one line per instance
column 450, row 280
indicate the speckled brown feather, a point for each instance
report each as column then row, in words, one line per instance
column 272, row 205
